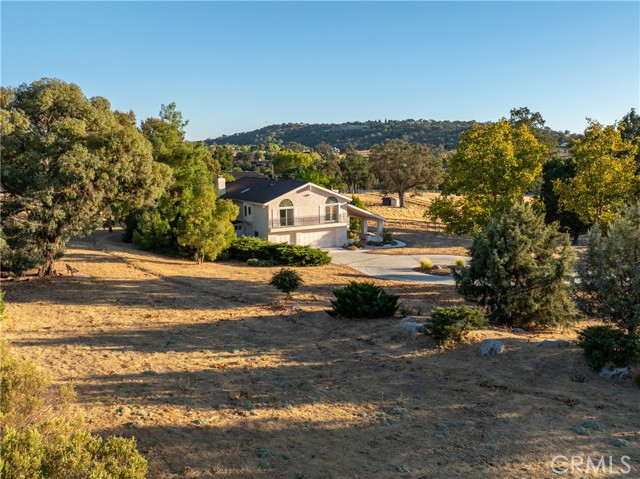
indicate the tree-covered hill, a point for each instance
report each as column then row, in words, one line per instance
column 362, row 135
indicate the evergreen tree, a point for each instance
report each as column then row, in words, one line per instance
column 609, row 272
column 518, row 270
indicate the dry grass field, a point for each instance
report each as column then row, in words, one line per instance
column 217, row 375
column 409, row 225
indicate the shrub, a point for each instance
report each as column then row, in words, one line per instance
column 426, row 263
column 603, row 345
column 387, row 236
column 271, row 254
column 460, row 262
column 38, row 440
column 450, row 325
column 253, row 262
column 609, row 272
column 297, row 255
column 518, row 271
column 286, row 280
column 363, row 300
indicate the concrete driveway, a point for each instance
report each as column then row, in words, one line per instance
column 393, row 267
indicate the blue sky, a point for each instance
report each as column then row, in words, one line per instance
column 234, row 67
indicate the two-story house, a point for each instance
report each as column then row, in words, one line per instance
column 294, row 212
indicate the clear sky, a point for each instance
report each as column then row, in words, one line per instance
column 234, row 67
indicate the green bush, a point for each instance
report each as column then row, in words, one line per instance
column 253, row 262
column 387, row 236
column 38, row 441
column 603, row 345
column 271, row 254
column 286, row 280
column 460, row 262
column 363, row 300
column 450, row 325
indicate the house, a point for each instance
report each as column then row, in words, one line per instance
column 294, row 212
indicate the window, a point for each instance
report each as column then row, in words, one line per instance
column 247, row 210
column 331, row 209
column 256, row 234
column 286, row 213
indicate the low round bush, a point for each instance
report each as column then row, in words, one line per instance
column 286, row 280
column 426, row 263
column 459, row 262
column 253, row 262
column 363, row 300
column 603, row 345
column 450, row 325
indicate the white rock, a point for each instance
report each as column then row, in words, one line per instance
column 412, row 329
column 491, row 347
column 615, row 373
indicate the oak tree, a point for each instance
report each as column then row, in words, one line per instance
column 402, row 167
column 68, row 163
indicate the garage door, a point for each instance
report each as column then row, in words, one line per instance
column 280, row 238
column 319, row 239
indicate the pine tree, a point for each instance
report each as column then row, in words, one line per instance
column 609, row 272
column 518, row 270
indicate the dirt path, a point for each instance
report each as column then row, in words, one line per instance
column 217, row 376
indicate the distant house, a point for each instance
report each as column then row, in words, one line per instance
column 294, row 212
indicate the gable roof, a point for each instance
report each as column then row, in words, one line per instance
column 259, row 190
column 262, row 189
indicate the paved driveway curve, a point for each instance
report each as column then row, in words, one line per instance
column 393, row 267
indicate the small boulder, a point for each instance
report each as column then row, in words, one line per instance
column 412, row 329
column 491, row 347
column 556, row 343
column 615, row 373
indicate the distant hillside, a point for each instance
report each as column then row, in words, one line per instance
column 362, row 135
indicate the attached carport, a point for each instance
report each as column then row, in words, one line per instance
column 366, row 216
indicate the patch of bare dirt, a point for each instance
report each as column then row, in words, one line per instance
column 409, row 225
column 217, row 375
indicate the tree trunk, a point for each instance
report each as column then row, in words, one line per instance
column 47, row 269
column 401, row 198
column 576, row 236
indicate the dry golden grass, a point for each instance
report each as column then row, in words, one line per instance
column 211, row 368
column 409, row 225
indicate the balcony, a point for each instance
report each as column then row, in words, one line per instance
column 275, row 223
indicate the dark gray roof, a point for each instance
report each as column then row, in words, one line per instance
column 259, row 190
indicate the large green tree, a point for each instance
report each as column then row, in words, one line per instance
column 494, row 166
column 189, row 218
column 519, row 269
column 609, row 272
column 402, row 167
column 287, row 160
column 553, row 170
column 605, row 175
column 68, row 164
column 356, row 172
column 630, row 126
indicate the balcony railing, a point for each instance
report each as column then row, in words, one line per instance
column 305, row 221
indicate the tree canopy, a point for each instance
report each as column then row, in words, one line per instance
column 68, row 164
column 495, row 165
column 605, row 176
column 401, row 166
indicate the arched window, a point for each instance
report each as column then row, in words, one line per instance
column 331, row 209
column 286, row 213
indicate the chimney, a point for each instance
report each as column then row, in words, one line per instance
column 222, row 185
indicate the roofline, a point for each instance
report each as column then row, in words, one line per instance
column 309, row 184
column 366, row 213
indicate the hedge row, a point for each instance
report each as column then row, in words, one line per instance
column 247, row 247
